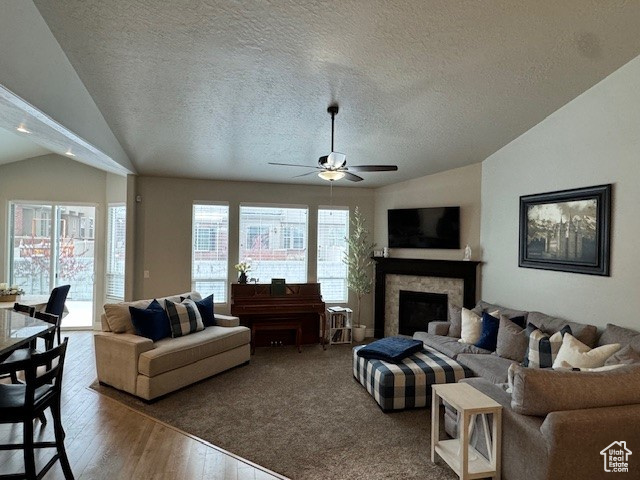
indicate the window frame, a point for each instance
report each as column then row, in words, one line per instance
column 217, row 299
column 109, row 251
column 345, row 298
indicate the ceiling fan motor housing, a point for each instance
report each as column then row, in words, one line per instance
column 333, row 160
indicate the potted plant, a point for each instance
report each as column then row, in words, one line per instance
column 9, row 294
column 243, row 268
column 358, row 260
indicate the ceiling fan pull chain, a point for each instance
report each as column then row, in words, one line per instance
column 331, row 194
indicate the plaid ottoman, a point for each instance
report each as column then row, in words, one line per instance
column 406, row 384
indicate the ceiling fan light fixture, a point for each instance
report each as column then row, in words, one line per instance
column 331, row 175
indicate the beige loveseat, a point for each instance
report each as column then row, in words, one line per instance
column 150, row 369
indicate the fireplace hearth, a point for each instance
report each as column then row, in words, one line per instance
column 417, row 309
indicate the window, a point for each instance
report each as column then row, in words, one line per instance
column 293, row 237
column 274, row 241
column 257, row 237
column 205, row 237
column 333, row 227
column 116, row 240
column 45, row 251
column 209, row 256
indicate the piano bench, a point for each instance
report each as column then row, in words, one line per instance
column 295, row 325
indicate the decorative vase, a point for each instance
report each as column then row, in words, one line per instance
column 8, row 298
column 242, row 278
column 359, row 333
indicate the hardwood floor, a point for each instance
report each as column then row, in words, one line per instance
column 106, row 440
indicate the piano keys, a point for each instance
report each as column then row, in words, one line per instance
column 254, row 303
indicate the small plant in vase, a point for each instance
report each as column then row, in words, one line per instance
column 243, row 268
column 9, row 294
column 358, row 260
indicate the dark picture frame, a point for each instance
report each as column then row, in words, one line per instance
column 567, row 230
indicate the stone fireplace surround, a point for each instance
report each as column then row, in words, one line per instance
column 457, row 279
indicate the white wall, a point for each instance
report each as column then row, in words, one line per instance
column 457, row 187
column 595, row 139
column 53, row 178
column 163, row 226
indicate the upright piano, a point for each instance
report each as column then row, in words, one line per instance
column 299, row 301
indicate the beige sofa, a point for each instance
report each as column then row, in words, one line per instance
column 149, row 370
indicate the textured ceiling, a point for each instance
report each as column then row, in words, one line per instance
column 216, row 89
column 14, row 147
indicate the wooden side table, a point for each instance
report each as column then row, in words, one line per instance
column 468, row 402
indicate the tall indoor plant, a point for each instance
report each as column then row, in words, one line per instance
column 358, row 261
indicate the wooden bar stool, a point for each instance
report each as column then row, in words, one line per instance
column 23, row 403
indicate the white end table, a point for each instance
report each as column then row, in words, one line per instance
column 468, row 402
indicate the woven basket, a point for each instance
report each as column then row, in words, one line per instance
column 8, row 298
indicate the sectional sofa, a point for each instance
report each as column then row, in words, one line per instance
column 150, row 369
column 556, row 423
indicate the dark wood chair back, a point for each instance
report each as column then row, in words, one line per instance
column 53, row 361
column 54, row 320
column 18, row 307
column 23, row 403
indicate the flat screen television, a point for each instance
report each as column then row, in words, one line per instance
column 437, row 227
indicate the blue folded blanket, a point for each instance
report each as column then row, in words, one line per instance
column 390, row 349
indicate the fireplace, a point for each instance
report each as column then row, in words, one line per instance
column 417, row 309
column 454, row 279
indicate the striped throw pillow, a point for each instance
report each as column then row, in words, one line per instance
column 184, row 317
column 543, row 348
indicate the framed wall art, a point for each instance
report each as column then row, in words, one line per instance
column 568, row 230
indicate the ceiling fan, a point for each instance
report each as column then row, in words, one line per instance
column 334, row 166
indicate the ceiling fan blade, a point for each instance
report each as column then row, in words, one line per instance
column 352, row 177
column 305, row 174
column 373, row 168
column 291, row 165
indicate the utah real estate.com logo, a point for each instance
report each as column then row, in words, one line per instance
column 616, row 457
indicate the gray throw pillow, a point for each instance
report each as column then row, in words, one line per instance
column 455, row 318
column 512, row 340
column 625, row 356
column 621, row 335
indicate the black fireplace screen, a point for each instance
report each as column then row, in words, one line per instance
column 417, row 309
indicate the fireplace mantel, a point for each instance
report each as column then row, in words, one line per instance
column 466, row 270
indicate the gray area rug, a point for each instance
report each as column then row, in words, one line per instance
column 302, row 415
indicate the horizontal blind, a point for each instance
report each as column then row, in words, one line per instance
column 274, row 241
column 210, row 251
column 333, row 228
column 116, row 248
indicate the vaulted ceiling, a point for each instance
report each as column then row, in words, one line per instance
column 16, row 147
column 216, row 89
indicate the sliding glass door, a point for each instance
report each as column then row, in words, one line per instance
column 53, row 245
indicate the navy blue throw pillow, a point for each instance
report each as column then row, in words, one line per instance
column 151, row 322
column 489, row 336
column 205, row 307
column 520, row 321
